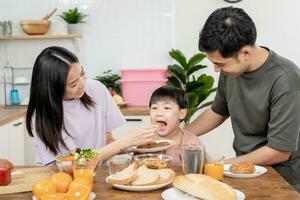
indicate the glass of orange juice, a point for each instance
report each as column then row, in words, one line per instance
column 85, row 171
column 214, row 166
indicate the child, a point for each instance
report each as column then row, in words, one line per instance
column 168, row 107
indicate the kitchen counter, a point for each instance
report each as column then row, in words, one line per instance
column 268, row 186
column 9, row 114
column 128, row 110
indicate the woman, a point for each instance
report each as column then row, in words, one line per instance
column 66, row 111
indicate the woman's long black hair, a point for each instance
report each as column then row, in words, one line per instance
column 48, row 84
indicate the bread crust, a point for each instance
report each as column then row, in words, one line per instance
column 204, row 187
column 125, row 176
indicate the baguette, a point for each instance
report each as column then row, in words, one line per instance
column 146, row 176
column 204, row 187
column 125, row 176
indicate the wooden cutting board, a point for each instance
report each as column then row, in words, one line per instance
column 24, row 184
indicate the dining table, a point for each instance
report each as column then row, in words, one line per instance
column 269, row 186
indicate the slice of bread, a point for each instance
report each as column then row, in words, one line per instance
column 165, row 175
column 146, row 176
column 125, row 176
column 204, row 187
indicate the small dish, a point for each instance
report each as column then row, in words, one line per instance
column 259, row 170
column 174, row 194
column 153, row 161
column 156, row 149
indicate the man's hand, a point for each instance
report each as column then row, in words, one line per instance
column 262, row 156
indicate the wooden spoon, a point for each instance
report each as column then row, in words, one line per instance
column 48, row 16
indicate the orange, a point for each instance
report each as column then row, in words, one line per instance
column 55, row 196
column 81, row 182
column 43, row 186
column 78, row 193
column 62, row 181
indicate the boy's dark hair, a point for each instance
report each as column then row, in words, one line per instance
column 169, row 93
column 227, row 30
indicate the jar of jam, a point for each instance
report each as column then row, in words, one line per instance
column 5, row 172
column 5, row 176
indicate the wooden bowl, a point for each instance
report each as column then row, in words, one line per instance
column 35, row 27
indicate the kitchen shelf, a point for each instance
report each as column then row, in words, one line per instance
column 34, row 37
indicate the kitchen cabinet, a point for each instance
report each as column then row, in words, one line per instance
column 12, row 141
column 133, row 122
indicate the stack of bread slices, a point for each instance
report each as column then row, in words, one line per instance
column 141, row 176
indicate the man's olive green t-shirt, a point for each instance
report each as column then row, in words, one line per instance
column 264, row 107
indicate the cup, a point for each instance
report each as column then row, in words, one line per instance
column 192, row 157
column 14, row 97
column 85, row 171
column 116, row 164
column 214, row 166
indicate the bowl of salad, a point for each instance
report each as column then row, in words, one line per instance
column 88, row 157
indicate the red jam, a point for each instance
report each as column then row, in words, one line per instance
column 5, row 176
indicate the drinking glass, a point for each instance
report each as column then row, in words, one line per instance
column 214, row 166
column 192, row 157
column 116, row 164
column 84, row 171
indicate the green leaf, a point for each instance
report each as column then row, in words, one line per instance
column 192, row 99
column 173, row 81
column 177, row 71
column 208, row 81
column 179, row 57
column 194, row 86
column 195, row 59
column 195, row 68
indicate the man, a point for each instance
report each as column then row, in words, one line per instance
column 258, row 89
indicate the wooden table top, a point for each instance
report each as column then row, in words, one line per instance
column 268, row 186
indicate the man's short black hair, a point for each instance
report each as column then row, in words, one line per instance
column 169, row 93
column 227, row 30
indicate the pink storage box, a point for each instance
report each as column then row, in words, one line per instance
column 143, row 74
column 138, row 92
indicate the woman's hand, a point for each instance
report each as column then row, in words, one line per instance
column 142, row 136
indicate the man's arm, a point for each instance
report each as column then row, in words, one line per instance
column 262, row 156
column 205, row 122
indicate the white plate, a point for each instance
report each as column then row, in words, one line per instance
column 149, row 150
column 175, row 194
column 141, row 188
column 259, row 170
column 92, row 196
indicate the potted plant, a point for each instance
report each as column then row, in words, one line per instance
column 73, row 17
column 182, row 75
column 111, row 81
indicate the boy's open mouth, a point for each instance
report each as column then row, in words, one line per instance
column 161, row 123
